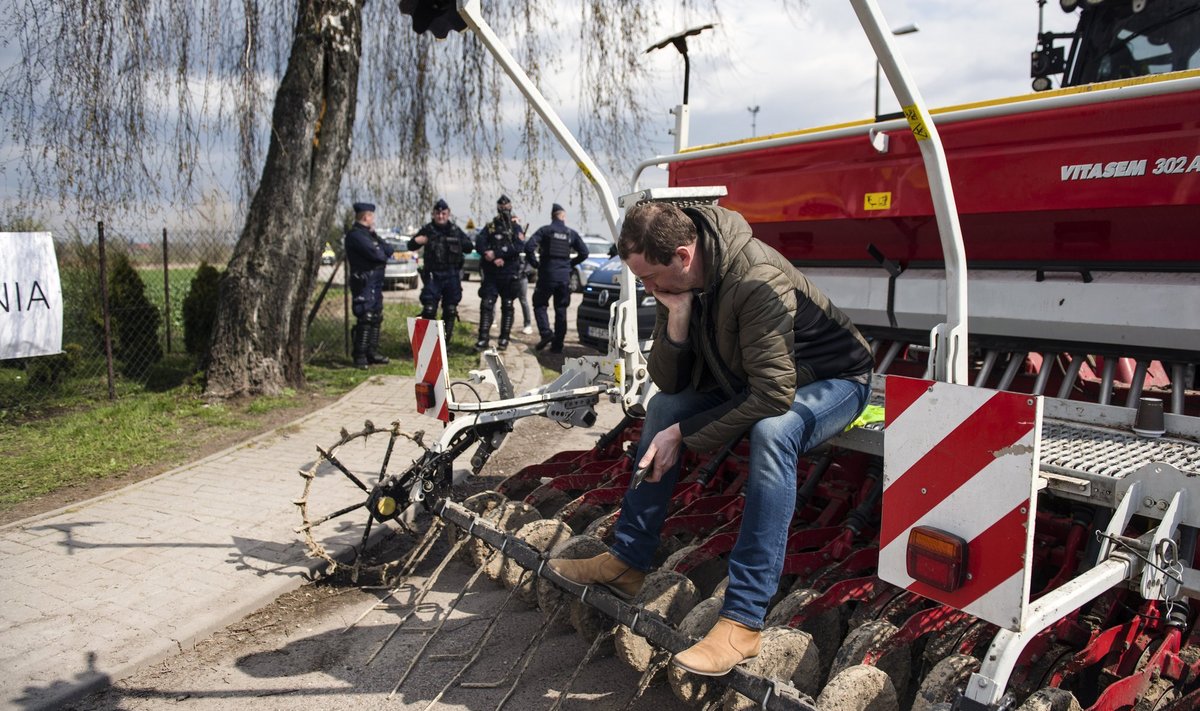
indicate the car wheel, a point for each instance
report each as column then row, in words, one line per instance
column 575, row 282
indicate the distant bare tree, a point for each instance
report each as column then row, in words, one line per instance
column 117, row 101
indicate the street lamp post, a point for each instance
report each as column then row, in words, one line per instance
column 905, row 30
column 679, row 41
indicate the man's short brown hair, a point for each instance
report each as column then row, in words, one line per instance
column 654, row 230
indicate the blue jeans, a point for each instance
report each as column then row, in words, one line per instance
column 820, row 410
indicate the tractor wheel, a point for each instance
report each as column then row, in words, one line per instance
column 788, row 654
column 666, row 593
column 897, row 663
column 945, row 681
column 859, row 688
column 693, row 688
column 1051, row 699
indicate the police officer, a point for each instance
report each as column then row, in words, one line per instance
column 550, row 251
column 499, row 244
column 444, row 244
column 367, row 254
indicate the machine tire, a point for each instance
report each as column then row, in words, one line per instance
column 897, row 663
column 508, row 516
column 859, row 688
column 787, row 653
column 826, row 628
column 667, row 593
column 1160, row 695
column 674, row 559
column 543, row 534
column 601, row 527
column 548, row 500
column 548, row 595
column 590, row 623
column 945, row 681
column 481, row 504
column 709, row 574
column 1051, row 699
column 693, row 688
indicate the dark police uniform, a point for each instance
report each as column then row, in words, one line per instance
column 441, row 269
column 505, row 239
column 367, row 254
column 550, row 251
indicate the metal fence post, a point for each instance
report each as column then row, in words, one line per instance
column 346, row 312
column 167, row 290
column 108, row 356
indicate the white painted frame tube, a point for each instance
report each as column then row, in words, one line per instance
column 469, row 10
column 949, row 339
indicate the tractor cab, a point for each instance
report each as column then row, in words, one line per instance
column 1119, row 39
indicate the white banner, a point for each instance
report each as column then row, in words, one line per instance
column 31, row 306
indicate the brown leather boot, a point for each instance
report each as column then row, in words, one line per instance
column 604, row 569
column 726, row 645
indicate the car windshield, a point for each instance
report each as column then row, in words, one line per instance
column 597, row 246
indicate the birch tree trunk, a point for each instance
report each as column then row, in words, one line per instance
column 258, row 339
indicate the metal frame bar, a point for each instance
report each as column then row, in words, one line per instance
column 949, row 339
column 770, row 693
column 470, row 12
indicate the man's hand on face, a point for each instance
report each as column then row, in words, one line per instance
column 663, row 452
column 681, row 302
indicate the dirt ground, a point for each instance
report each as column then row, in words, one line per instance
column 304, row 650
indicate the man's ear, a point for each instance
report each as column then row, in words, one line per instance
column 685, row 253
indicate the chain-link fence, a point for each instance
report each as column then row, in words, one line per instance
column 161, row 292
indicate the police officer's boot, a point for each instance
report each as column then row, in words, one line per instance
column 507, row 316
column 449, row 318
column 485, row 327
column 360, row 339
column 373, row 355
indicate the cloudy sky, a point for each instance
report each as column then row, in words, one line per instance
column 801, row 68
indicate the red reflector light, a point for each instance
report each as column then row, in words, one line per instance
column 425, row 398
column 937, row 558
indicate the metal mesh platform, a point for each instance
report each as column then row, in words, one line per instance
column 1110, row 453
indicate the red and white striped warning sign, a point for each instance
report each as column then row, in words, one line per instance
column 963, row 460
column 429, row 354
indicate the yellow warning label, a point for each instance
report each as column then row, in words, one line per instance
column 916, row 123
column 877, row 201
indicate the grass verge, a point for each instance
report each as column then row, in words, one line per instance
column 78, row 449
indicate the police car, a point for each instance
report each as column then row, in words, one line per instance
column 600, row 250
column 401, row 269
column 599, row 294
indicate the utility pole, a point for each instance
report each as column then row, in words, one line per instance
column 753, row 120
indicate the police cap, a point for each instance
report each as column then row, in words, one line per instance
column 441, row 205
column 361, row 207
column 503, row 200
column 555, row 209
